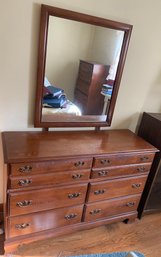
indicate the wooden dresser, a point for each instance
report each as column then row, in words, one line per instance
column 87, row 96
column 60, row 182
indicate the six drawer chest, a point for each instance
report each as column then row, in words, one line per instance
column 91, row 77
column 60, row 182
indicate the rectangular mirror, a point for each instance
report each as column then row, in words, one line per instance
column 80, row 64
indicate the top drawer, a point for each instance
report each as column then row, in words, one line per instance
column 50, row 166
column 122, row 159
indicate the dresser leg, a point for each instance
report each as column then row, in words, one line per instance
column 130, row 220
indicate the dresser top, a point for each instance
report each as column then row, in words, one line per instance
column 155, row 115
column 40, row 146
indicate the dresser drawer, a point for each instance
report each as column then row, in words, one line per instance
column 122, row 159
column 50, row 166
column 49, row 179
column 81, row 101
column 105, row 209
column 26, row 224
column 81, row 98
column 85, row 71
column 119, row 171
column 83, row 86
column 116, row 188
column 45, row 199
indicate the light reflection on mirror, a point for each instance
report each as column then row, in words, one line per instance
column 81, row 64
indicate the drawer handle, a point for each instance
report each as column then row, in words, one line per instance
column 106, row 161
column 141, row 169
column 137, row 185
column 77, row 176
column 99, row 192
column 130, row 204
column 25, row 169
column 22, row 226
column 95, row 211
column 102, row 173
column 74, row 195
column 70, row 216
column 24, row 203
column 78, row 164
column 24, row 182
column 145, row 158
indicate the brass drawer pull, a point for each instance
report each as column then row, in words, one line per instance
column 102, row 173
column 137, row 185
column 24, row 182
column 95, row 211
column 70, row 216
column 24, row 203
column 144, row 158
column 130, row 204
column 78, row 164
column 74, row 195
column 25, row 169
column 22, row 226
column 77, row 176
column 141, row 169
column 105, row 161
column 99, row 192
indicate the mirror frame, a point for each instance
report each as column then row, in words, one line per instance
column 46, row 11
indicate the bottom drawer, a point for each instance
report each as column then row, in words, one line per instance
column 26, row 224
column 105, row 209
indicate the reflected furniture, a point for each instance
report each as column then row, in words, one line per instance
column 91, row 77
column 61, row 182
column 107, row 99
column 150, row 130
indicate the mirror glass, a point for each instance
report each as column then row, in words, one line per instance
column 80, row 70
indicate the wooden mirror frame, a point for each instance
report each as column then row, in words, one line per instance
column 46, row 11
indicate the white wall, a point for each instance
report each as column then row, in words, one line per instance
column 104, row 45
column 140, row 88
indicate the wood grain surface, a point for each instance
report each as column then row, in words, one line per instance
column 143, row 235
column 48, row 145
column 28, row 210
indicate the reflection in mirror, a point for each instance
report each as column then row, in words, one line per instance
column 81, row 66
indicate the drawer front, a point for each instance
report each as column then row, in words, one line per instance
column 122, row 159
column 116, row 188
column 50, row 166
column 83, row 86
column 49, row 179
column 85, row 76
column 46, row 199
column 26, row 224
column 105, row 209
column 120, row 171
column 85, row 71
column 81, row 98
